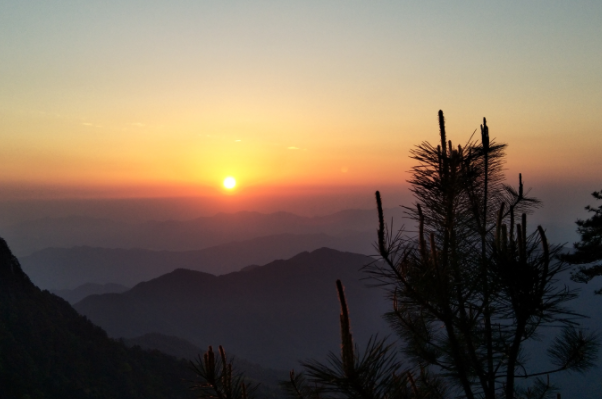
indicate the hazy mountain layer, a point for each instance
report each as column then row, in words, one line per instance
column 273, row 315
column 77, row 294
column 195, row 234
column 49, row 351
column 58, row 268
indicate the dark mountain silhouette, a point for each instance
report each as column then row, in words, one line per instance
column 187, row 235
column 174, row 346
column 77, row 294
column 47, row 350
column 273, row 315
column 59, row 268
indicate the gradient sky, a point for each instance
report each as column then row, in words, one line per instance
column 160, row 98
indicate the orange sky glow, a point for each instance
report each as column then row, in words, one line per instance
column 167, row 99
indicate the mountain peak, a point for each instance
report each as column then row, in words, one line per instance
column 323, row 252
column 10, row 268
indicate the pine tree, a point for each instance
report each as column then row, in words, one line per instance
column 588, row 251
column 474, row 284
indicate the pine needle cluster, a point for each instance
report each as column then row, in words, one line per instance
column 216, row 378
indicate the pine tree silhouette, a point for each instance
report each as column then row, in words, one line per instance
column 588, row 251
column 474, row 285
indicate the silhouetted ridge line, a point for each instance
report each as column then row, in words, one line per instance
column 10, row 268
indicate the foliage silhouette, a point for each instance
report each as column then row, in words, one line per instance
column 377, row 374
column 588, row 251
column 218, row 379
column 474, row 285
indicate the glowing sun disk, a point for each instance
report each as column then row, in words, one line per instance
column 229, row 182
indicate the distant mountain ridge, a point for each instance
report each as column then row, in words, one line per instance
column 273, row 315
column 60, row 268
column 77, row 294
column 175, row 235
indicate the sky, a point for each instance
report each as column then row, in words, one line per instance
column 154, row 98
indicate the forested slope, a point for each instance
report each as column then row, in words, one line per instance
column 47, row 350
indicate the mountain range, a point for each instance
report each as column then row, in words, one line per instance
column 67, row 268
column 183, row 235
column 277, row 314
column 273, row 315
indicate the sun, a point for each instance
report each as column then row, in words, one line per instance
column 229, row 182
